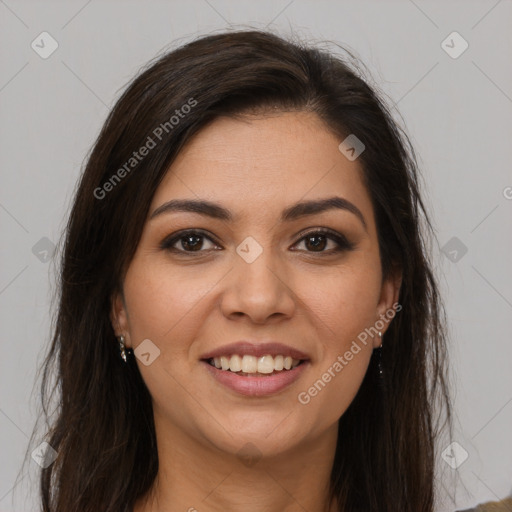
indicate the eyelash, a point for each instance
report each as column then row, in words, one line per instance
column 343, row 243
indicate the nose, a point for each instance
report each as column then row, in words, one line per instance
column 260, row 291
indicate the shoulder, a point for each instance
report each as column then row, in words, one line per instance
column 495, row 506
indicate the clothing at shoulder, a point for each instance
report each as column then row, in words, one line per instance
column 495, row 506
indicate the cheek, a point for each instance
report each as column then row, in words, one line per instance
column 161, row 298
column 333, row 389
column 342, row 303
column 343, row 307
column 164, row 306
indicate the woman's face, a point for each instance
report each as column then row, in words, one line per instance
column 255, row 271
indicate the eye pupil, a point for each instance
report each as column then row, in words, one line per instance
column 186, row 242
column 317, row 245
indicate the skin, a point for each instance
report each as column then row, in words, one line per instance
column 189, row 304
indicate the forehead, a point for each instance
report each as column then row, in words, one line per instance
column 256, row 162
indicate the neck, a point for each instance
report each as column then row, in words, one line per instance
column 194, row 476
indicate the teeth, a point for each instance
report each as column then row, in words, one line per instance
column 249, row 364
column 266, row 364
column 235, row 363
column 252, row 364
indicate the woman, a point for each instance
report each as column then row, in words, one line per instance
column 248, row 316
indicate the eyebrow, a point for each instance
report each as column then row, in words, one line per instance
column 293, row 212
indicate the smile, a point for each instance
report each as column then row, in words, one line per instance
column 255, row 366
column 256, row 384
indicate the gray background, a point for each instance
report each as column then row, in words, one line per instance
column 457, row 111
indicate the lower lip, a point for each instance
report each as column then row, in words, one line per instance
column 257, row 386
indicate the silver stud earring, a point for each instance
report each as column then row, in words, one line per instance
column 122, row 348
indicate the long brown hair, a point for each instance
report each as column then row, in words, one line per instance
column 103, row 429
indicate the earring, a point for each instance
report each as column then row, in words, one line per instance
column 379, row 358
column 122, row 348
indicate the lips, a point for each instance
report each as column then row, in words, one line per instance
column 256, row 386
column 255, row 349
column 256, row 369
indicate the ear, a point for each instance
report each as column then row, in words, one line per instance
column 119, row 316
column 390, row 291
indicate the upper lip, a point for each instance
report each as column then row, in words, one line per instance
column 255, row 349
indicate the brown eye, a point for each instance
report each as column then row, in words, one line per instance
column 188, row 241
column 191, row 242
column 318, row 241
